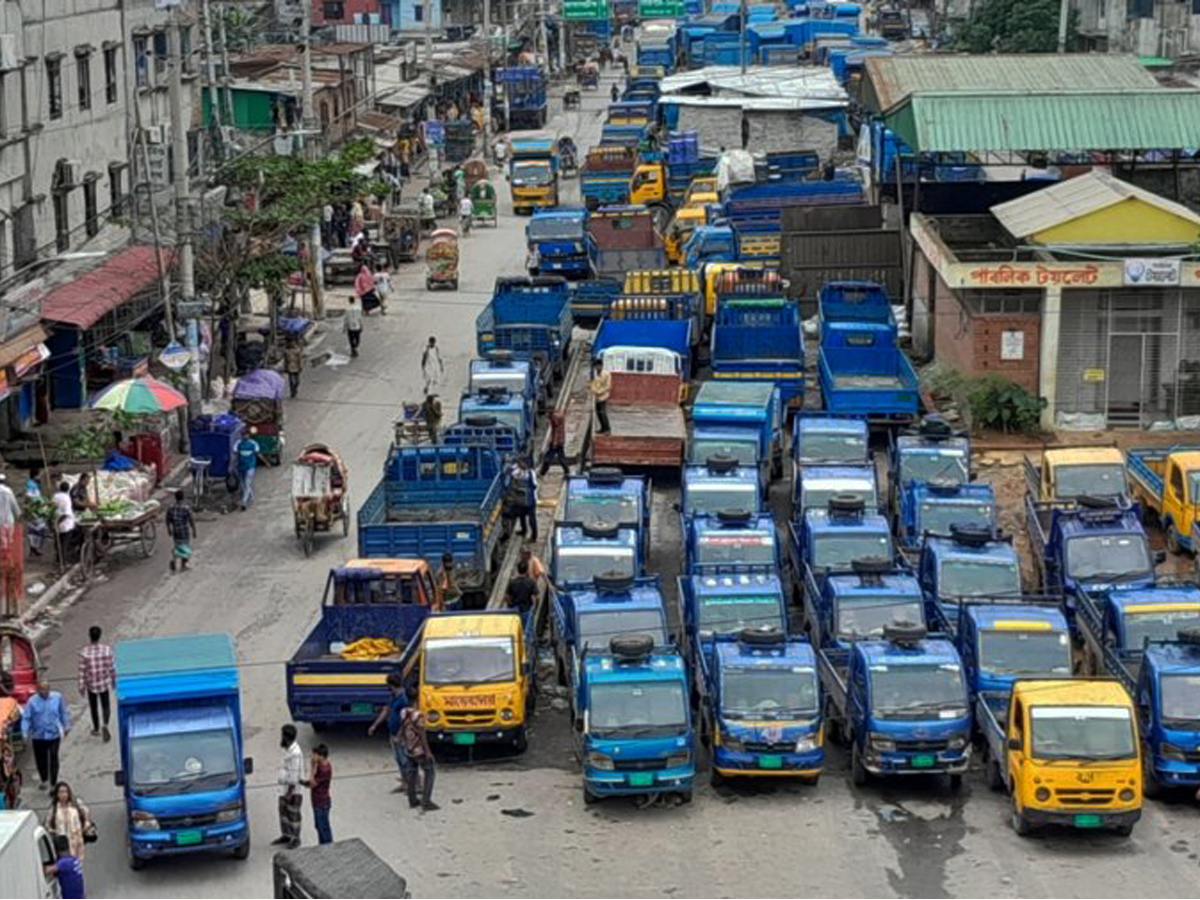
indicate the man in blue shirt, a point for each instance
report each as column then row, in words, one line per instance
column 45, row 721
column 392, row 712
column 67, row 869
column 247, row 462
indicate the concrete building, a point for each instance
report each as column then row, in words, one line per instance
column 1163, row 28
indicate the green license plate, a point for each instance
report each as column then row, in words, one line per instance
column 641, row 779
column 185, row 838
column 362, row 709
column 1087, row 820
column 771, row 762
column 923, row 762
column 467, row 738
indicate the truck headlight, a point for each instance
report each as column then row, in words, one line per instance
column 957, row 743
column 677, row 760
column 729, row 742
column 230, row 813
column 143, row 821
column 599, row 761
column 1042, row 794
column 805, row 744
column 1172, row 752
column 882, row 743
column 1127, row 795
column 506, row 714
column 432, row 716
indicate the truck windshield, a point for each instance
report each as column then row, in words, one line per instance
column 596, row 509
column 934, row 465
column 746, row 548
column 531, row 175
column 582, row 564
column 1105, row 557
column 712, row 498
column 1024, row 652
column 937, row 517
column 979, row 578
column 1181, row 700
column 817, row 496
column 725, row 615
column 917, row 691
column 1106, row 480
column 182, row 763
column 759, row 692
column 1157, row 624
column 473, row 660
column 838, row 551
column 745, row 452
column 555, row 230
column 637, row 709
column 831, row 448
column 1082, row 732
column 598, row 627
column 866, row 617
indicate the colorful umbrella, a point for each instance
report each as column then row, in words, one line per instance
column 139, row 396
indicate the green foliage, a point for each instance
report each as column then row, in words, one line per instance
column 38, row 509
column 1016, row 26
column 87, row 442
column 989, row 401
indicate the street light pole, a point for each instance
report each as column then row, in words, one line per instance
column 742, row 35
column 308, row 123
column 183, row 224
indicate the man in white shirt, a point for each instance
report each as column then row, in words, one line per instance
column 432, row 369
column 291, row 773
column 64, row 517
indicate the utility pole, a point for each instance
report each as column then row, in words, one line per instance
column 1064, row 15
column 214, row 96
column 487, row 70
column 427, row 11
column 542, row 38
column 228, row 92
column 183, row 199
column 742, row 35
column 308, row 124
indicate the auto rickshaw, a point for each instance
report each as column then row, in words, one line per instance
column 320, row 494
column 19, row 668
column 441, row 260
column 402, row 234
column 475, row 171
column 571, row 98
column 568, row 156
column 483, row 198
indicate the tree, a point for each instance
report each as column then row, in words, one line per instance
column 1016, row 26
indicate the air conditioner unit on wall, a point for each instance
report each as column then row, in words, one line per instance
column 9, row 59
column 156, row 134
column 73, row 171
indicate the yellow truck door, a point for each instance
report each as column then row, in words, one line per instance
column 1177, row 511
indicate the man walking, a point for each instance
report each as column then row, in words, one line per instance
column 182, row 525
column 247, row 463
column 293, row 364
column 522, row 591
column 45, row 722
column 432, row 369
column 291, row 774
column 64, row 524
column 556, row 452
column 601, row 389
column 318, row 786
column 392, row 714
column 96, row 677
column 522, row 498
column 431, row 409
column 352, row 322
column 416, row 748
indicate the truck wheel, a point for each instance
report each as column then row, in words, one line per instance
column 810, row 780
column 955, row 783
column 715, row 778
column 137, row 863
column 243, row 851
column 1150, row 786
column 521, row 741
column 994, row 775
column 319, row 727
column 1123, row 830
column 858, row 772
column 589, row 799
column 1021, row 825
column 1173, row 544
column 685, row 797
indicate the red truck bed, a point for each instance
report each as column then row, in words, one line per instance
column 646, row 421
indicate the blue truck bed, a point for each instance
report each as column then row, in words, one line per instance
column 766, row 201
column 760, row 339
column 867, row 381
column 529, row 318
column 589, row 300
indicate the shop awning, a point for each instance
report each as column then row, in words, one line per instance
column 86, row 300
column 19, row 346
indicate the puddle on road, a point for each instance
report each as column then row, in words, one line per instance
column 923, row 846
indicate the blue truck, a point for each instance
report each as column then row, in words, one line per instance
column 932, row 507
column 363, row 599
column 739, row 419
column 499, row 406
column 858, row 605
column 634, row 722
column 590, row 300
column 580, row 552
column 523, row 97
column 435, row 500
column 820, row 439
column 761, row 707
column 556, row 239
column 764, row 202
column 760, row 338
column 660, row 55
column 817, row 485
column 832, row 540
column 854, row 301
column 604, row 176
column 629, row 136
column 500, row 370
column 717, row 606
column 529, row 318
column 732, row 542
column 179, row 730
column 607, row 496
column 720, row 485
column 863, row 372
column 901, row 703
column 932, row 453
column 967, row 564
column 674, row 335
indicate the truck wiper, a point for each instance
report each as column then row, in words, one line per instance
column 1113, row 576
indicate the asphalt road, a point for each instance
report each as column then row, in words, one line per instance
column 519, row 827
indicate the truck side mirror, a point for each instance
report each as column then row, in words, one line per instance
column 1014, row 744
column 248, row 765
column 119, row 778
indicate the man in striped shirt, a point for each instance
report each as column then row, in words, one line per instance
column 96, row 678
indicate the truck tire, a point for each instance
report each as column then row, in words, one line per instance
column 521, row 740
column 685, row 797
column 1021, row 825
column 1150, row 786
column 137, row 863
column 243, row 851
column 956, row 782
column 858, row 772
column 589, row 799
column 1123, row 830
column 1173, row 545
column 715, row 778
column 994, row 776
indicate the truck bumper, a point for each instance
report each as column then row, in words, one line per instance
column 563, row 266
column 146, row 845
column 603, row 783
column 1072, row 818
column 790, row 765
column 467, row 738
column 951, row 762
column 1172, row 774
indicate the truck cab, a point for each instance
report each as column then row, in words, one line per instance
column 557, row 242
column 740, row 420
column 1167, row 696
column 475, row 674
column 820, row 440
column 1068, row 473
column 967, row 564
column 580, row 552
column 633, row 721
column 179, row 730
column 498, row 406
column 1001, row 641
column 1117, row 625
column 533, row 172
column 761, row 708
column 716, row 606
column 831, row 539
column 817, row 485
column 710, row 243
column 933, row 454
column 720, row 485
column 933, row 507
column 731, row 542
column 860, row 605
column 605, row 497
column 503, row 373
column 680, row 230
column 1066, row 751
column 1167, row 481
column 902, row 704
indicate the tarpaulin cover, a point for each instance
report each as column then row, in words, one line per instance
column 261, row 384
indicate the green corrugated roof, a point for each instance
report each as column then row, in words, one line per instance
column 946, row 122
column 892, row 79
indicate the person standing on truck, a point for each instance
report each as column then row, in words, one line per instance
column 67, row 870
column 556, row 451
column 182, row 525
column 96, row 677
column 415, row 738
column 433, row 370
column 291, row 774
column 449, row 594
column 46, row 722
column 391, row 714
column 601, row 389
column 318, row 786
column 431, row 409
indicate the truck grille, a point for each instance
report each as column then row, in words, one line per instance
column 770, row 746
column 921, row 746
column 1192, row 756
column 169, row 823
column 637, row 765
column 474, row 717
column 1084, row 797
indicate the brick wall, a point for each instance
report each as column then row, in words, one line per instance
column 348, row 7
column 972, row 342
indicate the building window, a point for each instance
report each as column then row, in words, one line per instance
column 83, row 68
column 116, row 197
column 54, row 87
column 1139, row 9
column 418, row 12
column 324, row 114
column 3, row 107
column 336, row 10
column 162, row 52
column 91, row 215
column 185, row 48
column 110, row 75
column 62, row 223
column 141, row 62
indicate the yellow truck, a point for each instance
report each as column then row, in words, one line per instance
column 1166, row 481
column 1066, row 750
column 475, row 674
column 1068, row 473
column 682, row 225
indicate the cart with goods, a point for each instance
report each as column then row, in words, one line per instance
column 320, row 494
column 441, row 260
column 115, row 524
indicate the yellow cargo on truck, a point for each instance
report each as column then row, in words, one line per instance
column 1066, row 750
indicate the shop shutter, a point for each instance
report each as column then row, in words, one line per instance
column 1082, row 355
column 1188, row 378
